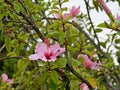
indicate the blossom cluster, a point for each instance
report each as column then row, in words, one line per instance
column 72, row 13
column 6, row 79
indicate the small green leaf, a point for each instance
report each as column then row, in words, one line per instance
column 103, row 25
column 1, row 30
column 7, row 43
column 44, row 77
column 61, row 63
column 54, row 76
column 103, row 44
column 1, row 16
column 98, row 30
column 53, row 86
column 12, row 54
column 17, row 8
column 75, row 62
column 53, row 34
column 117, row 41
column 118, row 33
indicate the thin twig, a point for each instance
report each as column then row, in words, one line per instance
column 2, row 47
column 65, row 43
column 4, row 58
column 87, row 7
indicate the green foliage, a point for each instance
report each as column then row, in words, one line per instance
column 54, row 76
column 7, row 43
column 24, row 23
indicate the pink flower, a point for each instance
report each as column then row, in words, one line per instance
column 83, row 86
column 57, row 16
column 65, row 15
column 117, row 17
column 5, row 79
column 47, row 52
column 74, row 11
column 104, row 6
column 89, row 64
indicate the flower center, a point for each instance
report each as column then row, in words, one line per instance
column 47, row 55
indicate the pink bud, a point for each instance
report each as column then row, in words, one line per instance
column 5, row 79
column 83, row 86
column 104, row 6
column 117, row 17
column 10, row 81
column 74, row 11
column 89, row 64
column 57, row 15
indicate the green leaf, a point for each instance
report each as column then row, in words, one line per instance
column 118, row 33
column 75, row 62
column 28, row 3
column 54, row 76
column 103, row 25
column 44, row 77
column 117, row 41
column 53, row 86
column 61, row 63
column 12, row 54
column 95, row 3
column 14, row 42
column 64, row 9
column 17, row 8
column 17, row 49
column 74, row 85
column 7, row 43
column 1, row 30
column 1, row 16
column 53, row 34
column 21, row 64
column 98, row 30
column 103, row 44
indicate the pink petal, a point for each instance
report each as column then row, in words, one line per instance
column 85, row 57
column 44, row 59
column 48, row 60
column 52, row 59
column 35, row 56
column 117, row 17
column 87, row 62
column 65, row 15
column 95, row 66
column 57, row 16
column 54, row 48
column 4, row 77
column 10, row 81
column 74, row 11
column 83, row 86
column 59, row 52
column 41, row 48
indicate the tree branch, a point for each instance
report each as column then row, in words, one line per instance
column 87, row 5
column 79, row 76
column 28, row 19
column 90, row 39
